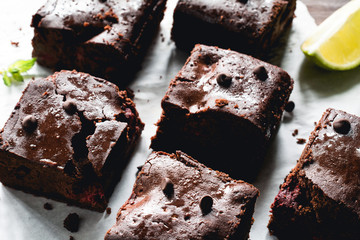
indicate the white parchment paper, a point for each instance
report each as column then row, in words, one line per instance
column 22, row 215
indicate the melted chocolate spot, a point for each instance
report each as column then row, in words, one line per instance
column 168, row 188
column 342, row 126
column 261, row 73
column 290, row 106
column 206, row 204
column 223, row 80
column 70, row 107
column 29, row 123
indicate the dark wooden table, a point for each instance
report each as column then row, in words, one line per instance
column 321, row 9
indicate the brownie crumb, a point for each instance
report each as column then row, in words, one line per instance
column 107, row 27
column 71, row 238
column 108, row 210
column 221, row 102
column 72, row 222
column 138, row 169
column 295, row 133
column 301, row 141
column 16, row 44
column 48, row 206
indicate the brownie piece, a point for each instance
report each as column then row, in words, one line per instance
column 68, row 139
column 176, row 197
column 223, row 108
column 248, row 26
column 320, row 198
column 104, row 38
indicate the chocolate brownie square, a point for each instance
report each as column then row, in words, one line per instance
column 68, row 139
column 248, row 26
column 176, row 197
column 223, row 108
column 320, row 198
column 104, row 38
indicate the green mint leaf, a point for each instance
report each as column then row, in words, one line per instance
column 22, row 65
column 6, row 79
column 17, row 76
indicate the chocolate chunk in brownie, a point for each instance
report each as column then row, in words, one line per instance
column 68, row 138
column 250, row 27
column 175, row 196
column 221, row 122
column 320, row 198
column 104, row 38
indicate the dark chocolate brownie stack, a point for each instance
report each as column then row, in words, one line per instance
column 105, row 38
column 248, row 26
column 68, row 138
column 176, row 197
column 320, row 198
column 223, row 108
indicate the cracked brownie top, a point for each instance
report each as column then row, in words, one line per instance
column 69, row 119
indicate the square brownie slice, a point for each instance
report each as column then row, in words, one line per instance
column 176, row 197
column 223, row 108
column 248, row 26
column 104, row 38
column 68, row 139
column 320, row 198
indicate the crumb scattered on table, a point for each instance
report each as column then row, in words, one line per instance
column 301, row 140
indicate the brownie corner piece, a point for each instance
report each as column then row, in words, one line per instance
column 223, row 105
column 68, row 138
column 175, row 196
column 248, row 26
column 107, row 39
column 320, row 198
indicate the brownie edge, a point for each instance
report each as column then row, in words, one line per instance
column 320, row 197
column 176, row 197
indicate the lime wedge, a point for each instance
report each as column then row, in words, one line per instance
column 335, row 44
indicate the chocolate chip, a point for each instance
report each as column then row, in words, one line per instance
column 223, row 80
column 29, row 123
column 70, row 107
column 167, row 187
column 261, row 73
column 243, row 1
column 289, row 107
column 342, row 126
column 206, row 204
column 72, row 222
